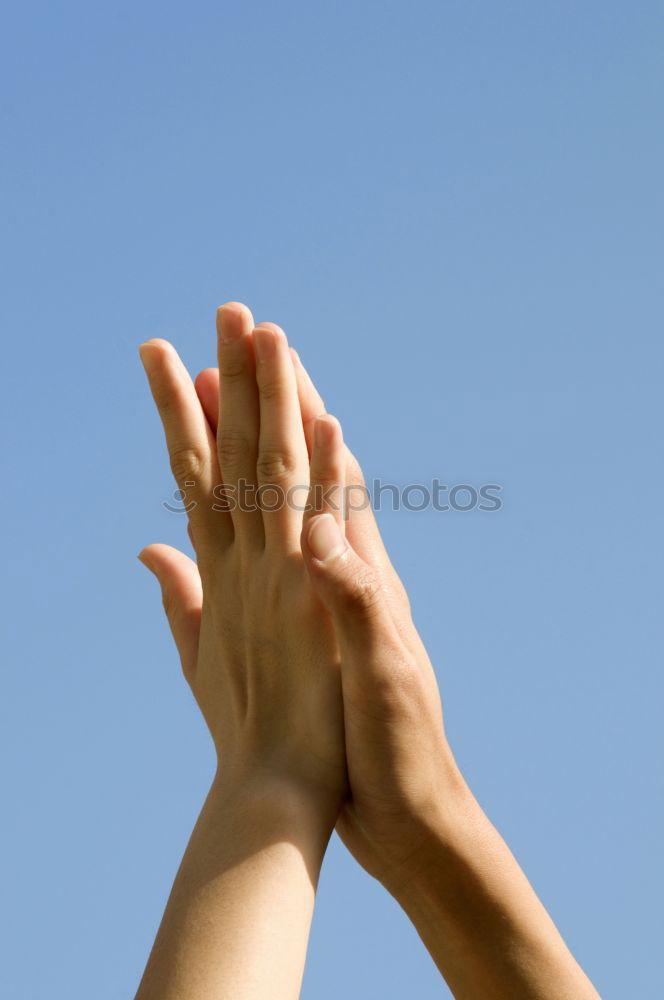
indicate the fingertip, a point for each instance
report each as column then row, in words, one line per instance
column 233, row 320
column 163, row 559
column 207, row 377
column 273, row 327
column 327, row 431
column 144, row 558
column 268, row 340
column 150, row 351
column 236, row 309
column 157, row 343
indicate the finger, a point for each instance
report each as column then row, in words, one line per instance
column 327, row 471
column 361, row 527
column 311, row 401
column 363, row 531
column 191, row 447
column 206, row 384
column 182, row 597
column 353, row 594
column 282, row 465
column 239, row 419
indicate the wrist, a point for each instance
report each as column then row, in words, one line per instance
column 440, row 829
column 274, row 808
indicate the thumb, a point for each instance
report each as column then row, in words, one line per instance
column 349, row 588
column 182, row 597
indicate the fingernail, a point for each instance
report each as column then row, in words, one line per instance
column 229, row 327
column 325, row 430
column 321, row 433
column 265, row 343
column 325, row 539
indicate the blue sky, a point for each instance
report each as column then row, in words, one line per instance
column 455, row 211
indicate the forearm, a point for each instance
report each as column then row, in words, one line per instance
column 479, row 917
column 237, row 921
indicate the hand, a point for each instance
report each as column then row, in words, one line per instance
column 411, row 820
column 258, row 653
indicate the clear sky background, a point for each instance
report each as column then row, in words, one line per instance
column 455, row 211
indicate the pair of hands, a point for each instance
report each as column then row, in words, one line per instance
column 292, row 626
column 296, row 638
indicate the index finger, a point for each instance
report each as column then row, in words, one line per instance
column 191, row 446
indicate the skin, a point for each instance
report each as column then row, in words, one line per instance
column 296, row 638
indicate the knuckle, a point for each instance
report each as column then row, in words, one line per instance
column 187, row 463
column 390, row 688
column 272, row 387
column 398, row 688
column 232, row 369
column 274, row 466
column 232, row 447
column 405, row 678
column 363, row 595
